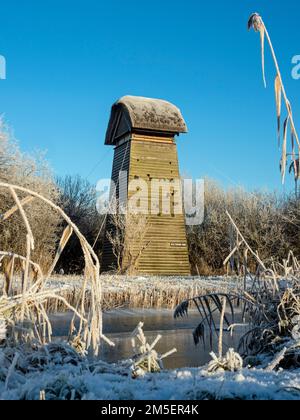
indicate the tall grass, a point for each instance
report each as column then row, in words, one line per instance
column 25, row 312
column 270, row 303
column 256, row 22
column 138, row 292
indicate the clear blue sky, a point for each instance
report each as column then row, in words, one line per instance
column 69, row 60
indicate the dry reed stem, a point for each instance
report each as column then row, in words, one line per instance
column 271, row 301
column 224, row 304
column 287, row 102
column 245, row 242
column 68, row 232
column 33, row 299
column 19, row 257
column 258, row 24
column 14, row 209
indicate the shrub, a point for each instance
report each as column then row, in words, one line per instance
column 78, row 199
column 30, row 172
column 263, row 217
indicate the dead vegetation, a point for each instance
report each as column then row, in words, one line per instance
column 269, row 223
column 269, row 302
column 270, row 297
column 139, row 292
column 126, row 234
column 256, row 22
column 146, row 359
column 23, row 304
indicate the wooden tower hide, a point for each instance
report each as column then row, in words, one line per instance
column 143, row 133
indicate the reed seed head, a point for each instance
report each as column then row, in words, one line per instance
column 255, row 22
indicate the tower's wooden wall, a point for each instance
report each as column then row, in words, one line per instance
column 148, row 158
column 167, row 252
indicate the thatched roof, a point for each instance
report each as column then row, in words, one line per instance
column 133, row 113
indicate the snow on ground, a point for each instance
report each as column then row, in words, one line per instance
column 70, row 377
column 113, row 382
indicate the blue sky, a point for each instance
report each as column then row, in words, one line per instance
column 69, row 60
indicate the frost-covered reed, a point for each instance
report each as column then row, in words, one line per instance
column 140, row 292
column 24, row 301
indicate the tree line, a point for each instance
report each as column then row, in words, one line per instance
column 269, row 222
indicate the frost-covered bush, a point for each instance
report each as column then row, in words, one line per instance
column 30, row 172
column 269, row 223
